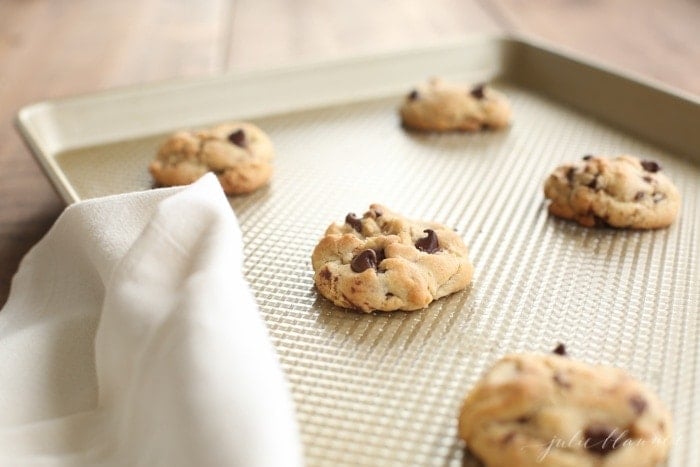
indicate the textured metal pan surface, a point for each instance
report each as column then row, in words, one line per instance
column 386, row 388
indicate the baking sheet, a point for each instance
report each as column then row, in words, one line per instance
column 386, row 388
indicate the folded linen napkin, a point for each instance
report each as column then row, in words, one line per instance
column 130, row 338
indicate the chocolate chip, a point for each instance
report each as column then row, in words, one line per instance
column 560, row 349
column 600, row 221
column 587, row 157
column 524, row 419
column 570, row 174
column 601, row 440
column 354, row 221
column 238, row 138
column 638, row 403
column 380, row 255
column 478, row 91
column 651, row 166
column 593, row 183
column 365, row 260
column 413, row 95
column 658, row 197
column 639, row 195
column 428, row 244
column 647, row 178
column 326, row 274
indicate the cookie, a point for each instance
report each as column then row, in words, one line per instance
column 442, row 106
column 240, row 155
column 623, row 192
column 384, row 261
column 551, row 411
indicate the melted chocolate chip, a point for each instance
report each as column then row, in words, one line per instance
column 478, row 91
column 238, row 138
column 365, row 260
column 651, row 166
column 354, row 221
column 647, row 178
column 524, row 419
column 428, row 244
column 638, row 196
column 587, row 157
column 326, row 274
column 638, row 403
column 601, row 440
column 560, row 349
column 413, row 95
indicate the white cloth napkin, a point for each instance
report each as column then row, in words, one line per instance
column 130, row 338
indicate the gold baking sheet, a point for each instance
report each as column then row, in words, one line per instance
column 385, row 388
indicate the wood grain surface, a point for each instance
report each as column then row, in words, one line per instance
column 54, row 48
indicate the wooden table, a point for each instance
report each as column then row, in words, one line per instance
column 52, row 48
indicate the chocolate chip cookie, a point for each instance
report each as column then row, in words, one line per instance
column 551, row 411
column 239, row 153
column 623, row 192
column 442, row 106
column 384, row 261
